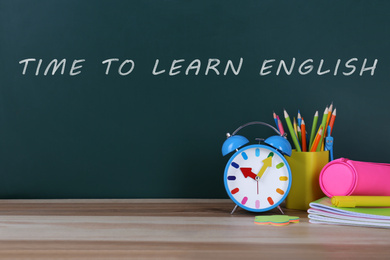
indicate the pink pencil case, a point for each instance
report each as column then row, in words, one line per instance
column 344, row 177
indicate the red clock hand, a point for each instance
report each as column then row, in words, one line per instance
column 247, row 172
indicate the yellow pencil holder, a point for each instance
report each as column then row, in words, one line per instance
column 305, row 171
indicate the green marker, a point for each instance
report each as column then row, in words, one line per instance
column 292, row 133
column 313, row 128
column 324, row 117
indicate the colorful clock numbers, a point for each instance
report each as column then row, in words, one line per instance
column 257, row 177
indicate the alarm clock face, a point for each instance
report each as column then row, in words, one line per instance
column 257, row 178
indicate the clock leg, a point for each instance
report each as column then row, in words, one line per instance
column 281, row 210
column 235, row 207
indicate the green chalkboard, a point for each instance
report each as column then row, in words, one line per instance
column 132, row 99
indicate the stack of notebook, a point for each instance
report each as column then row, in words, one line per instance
column 323, row 212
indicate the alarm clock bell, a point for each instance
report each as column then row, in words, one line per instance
column 233, row 142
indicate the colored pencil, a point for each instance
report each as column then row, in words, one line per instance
column 327, row 119
column 276, row 121
column 303, row 129
column 329, row 115
column 316, row 140
column 299, row 134
column 331, row 123
column 324, row 117
column 295, row 127
column 292, row 133
column 299, row 118
column 281, row 129
column 313, row 128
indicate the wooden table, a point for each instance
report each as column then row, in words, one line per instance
column 171, row 229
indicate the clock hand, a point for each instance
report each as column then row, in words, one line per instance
column 267, row 162
column 247, row 172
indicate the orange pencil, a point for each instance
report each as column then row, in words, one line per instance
column 303, row 129
column 329, row 115
column 327, row 120
column 331, row 123
column 316, row 141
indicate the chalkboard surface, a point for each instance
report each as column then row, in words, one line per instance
column 132, row 99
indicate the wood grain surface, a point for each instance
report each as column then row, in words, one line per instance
column 172, row 229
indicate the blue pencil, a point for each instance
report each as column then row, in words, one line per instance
column 299, row 118
column 276, row 121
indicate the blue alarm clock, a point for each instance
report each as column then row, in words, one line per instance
column 257, row 177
